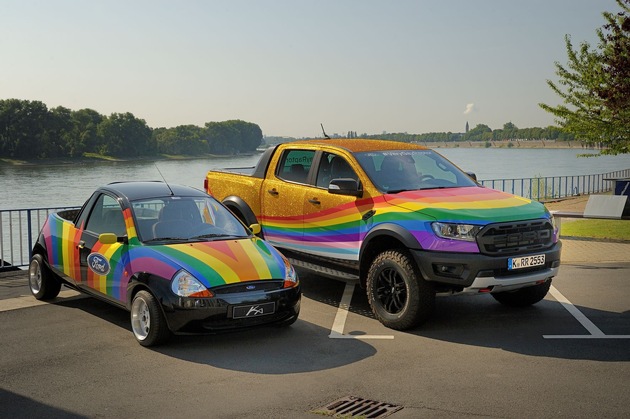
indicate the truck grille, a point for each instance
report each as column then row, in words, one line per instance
column 516, row 237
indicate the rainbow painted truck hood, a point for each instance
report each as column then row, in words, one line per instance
column 477, row 205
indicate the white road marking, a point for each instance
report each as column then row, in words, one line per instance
column 595, row 332
column 26, row 301
column 336, row 332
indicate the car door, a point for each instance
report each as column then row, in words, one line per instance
column 102, row 265
column 332, row 223
column 283, row 196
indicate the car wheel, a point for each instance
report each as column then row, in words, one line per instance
column 42, row 282
column 525, row 296
column 398, row 295
column 147, row 320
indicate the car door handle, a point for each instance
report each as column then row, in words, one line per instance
column 314, row 201
column 81, row 245
column 273, row 191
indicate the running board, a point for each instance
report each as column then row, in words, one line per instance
column 324, row 270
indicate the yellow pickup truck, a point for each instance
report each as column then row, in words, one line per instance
column 401, row 218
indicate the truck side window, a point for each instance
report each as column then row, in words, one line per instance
column 295, row 165
column 332, row 166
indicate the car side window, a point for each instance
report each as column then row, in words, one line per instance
column 295, row 165
column 106, row 217
column 332, row 166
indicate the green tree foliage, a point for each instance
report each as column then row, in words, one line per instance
column 595, row 86
column 29, row 130
column 124, row 135
column 23, row 126
column 181, row 140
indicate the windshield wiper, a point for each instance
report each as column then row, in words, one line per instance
column 213, row 235
column 161, row 239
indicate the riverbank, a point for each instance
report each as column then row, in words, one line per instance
column 96, row 158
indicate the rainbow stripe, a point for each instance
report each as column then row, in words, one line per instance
column 339, row 231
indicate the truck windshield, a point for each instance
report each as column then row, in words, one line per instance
column 394, row 171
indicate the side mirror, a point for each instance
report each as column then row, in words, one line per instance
column 472, row 176
column 345, row 186
column 107, row 238
column 255, row 228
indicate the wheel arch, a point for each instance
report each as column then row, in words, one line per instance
column 383, row 237
column 241, row 209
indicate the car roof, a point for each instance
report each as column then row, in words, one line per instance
column 356, row 145
column 150, row 189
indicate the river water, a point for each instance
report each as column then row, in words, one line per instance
column 35, row 186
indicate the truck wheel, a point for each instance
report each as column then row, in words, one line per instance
column 147, row 320
column 525, row 296
column 43, row 283
column 400, row 298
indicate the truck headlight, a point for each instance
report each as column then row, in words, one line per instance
column 455, row 231
column 185, row 284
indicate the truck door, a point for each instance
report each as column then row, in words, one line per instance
column 282, row 199
column 332, row 223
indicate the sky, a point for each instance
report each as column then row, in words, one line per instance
column 367, row 66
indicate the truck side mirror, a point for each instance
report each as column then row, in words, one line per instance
column 472, row 176
column 345, row 186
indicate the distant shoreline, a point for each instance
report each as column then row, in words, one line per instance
column 509, row 144
column 60, row 161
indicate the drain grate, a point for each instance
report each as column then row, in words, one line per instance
column 352, row 406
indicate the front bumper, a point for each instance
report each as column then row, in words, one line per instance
column 472, row 273
column 207, row 315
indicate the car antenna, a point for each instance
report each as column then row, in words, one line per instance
column 325, row 135
column 164, row 179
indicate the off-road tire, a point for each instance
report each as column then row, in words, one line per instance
column 399, row 296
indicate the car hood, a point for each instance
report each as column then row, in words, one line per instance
column 214, row 263
column 478, row 205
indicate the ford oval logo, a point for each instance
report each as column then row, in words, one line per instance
column 98, row 264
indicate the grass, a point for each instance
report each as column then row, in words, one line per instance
column 597, row 229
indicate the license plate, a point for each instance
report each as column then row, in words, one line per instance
column 254, row 310
column 526, row 262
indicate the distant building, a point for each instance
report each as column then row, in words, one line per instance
column 467, row 127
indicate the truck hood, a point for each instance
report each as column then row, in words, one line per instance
column 214, row 263
column 476, row 204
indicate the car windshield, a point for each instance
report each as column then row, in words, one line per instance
column 182, row 218
column 394, row 171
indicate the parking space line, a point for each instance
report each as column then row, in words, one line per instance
column 595, row 332
column 336, row 332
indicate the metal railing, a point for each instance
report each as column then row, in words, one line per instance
column 557, row 187
column 18, row 231
column 19, row 227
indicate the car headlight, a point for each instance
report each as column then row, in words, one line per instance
column 185, row 284
column 455, row 231
column 290, row 278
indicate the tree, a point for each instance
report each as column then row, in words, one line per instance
column 125, row 135
column 595, row 86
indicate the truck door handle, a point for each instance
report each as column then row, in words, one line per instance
column 314, row 201
column 81, row 245
column 273, row 191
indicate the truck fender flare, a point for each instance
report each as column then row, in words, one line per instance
column 392, row 231
column 236, row 203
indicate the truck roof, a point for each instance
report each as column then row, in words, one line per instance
column 362, row 144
